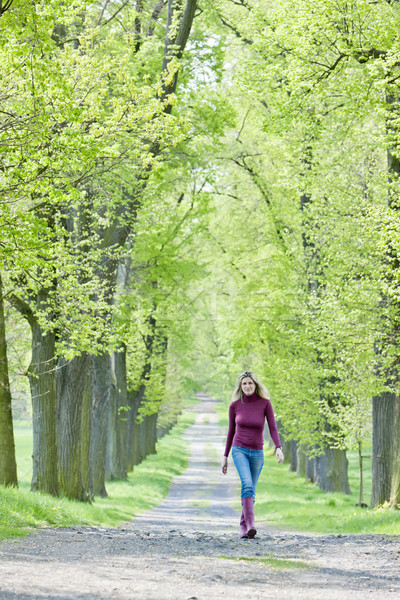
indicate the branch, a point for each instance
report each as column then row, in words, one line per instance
column 154, row 17
column 365, row 55
column 179, row 24
column 227, row 254
column 5, row 7
column 256, row 180
column 241, row 3
column 23, row 308
column 102, row 12
column 116, row 13
column 235, row 30
column 138, row 25
column 242, row 126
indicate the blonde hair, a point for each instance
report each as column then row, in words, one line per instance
column 261, row 390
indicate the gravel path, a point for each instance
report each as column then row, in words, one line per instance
column 188, row 548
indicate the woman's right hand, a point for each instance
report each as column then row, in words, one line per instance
column 224, row 465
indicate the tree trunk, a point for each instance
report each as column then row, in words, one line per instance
column 142, row 439
column 162, row 430
column 85, row 391
column 42, row 379
column 286, row 449
column 135, row 439
column 293, row 456
column 122, row 404
column 132, row 437
column 146, row 437
column 103, row 389
column 386, row 407
column 310, row 469
column 116, row 461
column 385, row 449
column 136, row 456
column 179, row 24
column 8, row 464
column 331, row 468
column 73, row 427
column 301, row 460
column 152, row 434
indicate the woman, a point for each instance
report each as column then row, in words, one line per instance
column 247, row 413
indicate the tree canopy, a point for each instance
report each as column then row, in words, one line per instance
column 198, row 188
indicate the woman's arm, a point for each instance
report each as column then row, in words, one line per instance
column 273, row 430
column 229, row 439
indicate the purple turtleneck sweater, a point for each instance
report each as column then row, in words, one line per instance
column 246, row 423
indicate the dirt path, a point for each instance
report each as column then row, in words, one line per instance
column 188, row 548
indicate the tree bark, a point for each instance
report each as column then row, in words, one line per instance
column 103, row 389
column 73, row 427
column 142, row 439
column 331, row 471
column 152, row 434
column 8, row 463
column 293, row 456
column 133, row 427
column 162, row 430
column 136, row 454
column 42, row 380
column 179, row 24
column 116, row 461
column 301, row 460
column 134, row 399
column 86, row 392
column 385, row 449
column 310, row 469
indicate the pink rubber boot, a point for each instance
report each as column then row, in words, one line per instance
column 248, row 511
column 243, row 528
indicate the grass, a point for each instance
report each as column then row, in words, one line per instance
column 23, row 450
column 274, row 563
column 283, row 500
column 291, row 503
column 21, row 509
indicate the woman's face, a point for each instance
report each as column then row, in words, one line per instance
column 248, row 386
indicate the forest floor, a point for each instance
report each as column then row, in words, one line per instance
column 188, row 548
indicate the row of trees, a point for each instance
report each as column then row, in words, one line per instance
column 313, row 179
column 161, row 233
column 86, row 108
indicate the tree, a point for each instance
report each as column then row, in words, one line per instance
column 88, row 130
column 8, row 465
column 314, row 66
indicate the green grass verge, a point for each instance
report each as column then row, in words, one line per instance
column 274, row 563
column 21, row 509
column 291, row 503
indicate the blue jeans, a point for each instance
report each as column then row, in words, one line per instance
column 248, row 463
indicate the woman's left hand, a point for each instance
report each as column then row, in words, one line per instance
column 279, row 455
column 224, row 465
